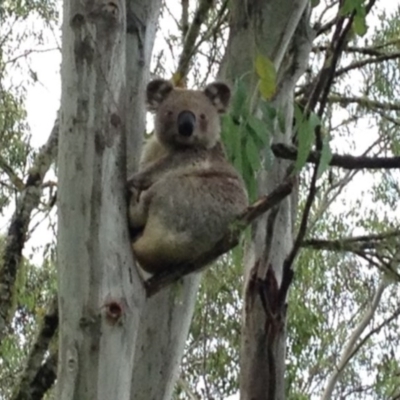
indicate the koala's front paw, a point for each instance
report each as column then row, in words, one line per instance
column 139, row 181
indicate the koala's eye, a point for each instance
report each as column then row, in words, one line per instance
column 169, row 113
column 202, row 116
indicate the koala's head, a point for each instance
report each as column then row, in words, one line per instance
column 187, row 118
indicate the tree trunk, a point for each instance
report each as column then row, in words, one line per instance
column 161, row 340
column 166, row 317
column 100, row 295
column 271, row 28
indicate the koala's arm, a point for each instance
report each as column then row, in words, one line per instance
column 142, row 180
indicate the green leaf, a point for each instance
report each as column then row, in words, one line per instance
column 359, row 22
column 252, row 154
column 267, row 88
column 265, row 69
column 281, row 121
column 259, row 128
column 326, row 156
column 269, row 117
column 349, row 6
column 228, row 130
column 268, row 158
column 238, row 103
column 238, row 148
column 306, row 136
column 249, row 177
column 269, row 112
column 360, row 25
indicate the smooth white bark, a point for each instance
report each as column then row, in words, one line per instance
column 161, row 339
column 100, row 295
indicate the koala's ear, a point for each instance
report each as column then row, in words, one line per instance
column 156, row 92
column 220, row 94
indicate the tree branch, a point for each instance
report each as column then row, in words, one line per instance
column 199, row 17
column 288, row 152
column 35, row 379
column 184, row 18
column 351, row 243
column 348, row 351
column 374, row 51
column 15, row 180
column 363, row 63
column 43, row 381
column 363, row 102
column 16, row 235
column 230, row 240
column 319, row 95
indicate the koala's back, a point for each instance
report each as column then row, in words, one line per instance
column 189, row 210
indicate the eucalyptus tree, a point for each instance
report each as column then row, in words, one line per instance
column 311, row 268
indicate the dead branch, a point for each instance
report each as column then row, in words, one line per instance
column 288, row 152
column 16, row 236
column 230, row 240
column 31, row 382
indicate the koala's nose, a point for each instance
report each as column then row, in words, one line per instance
column 186, row 123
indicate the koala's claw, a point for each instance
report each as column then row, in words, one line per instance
column 139, row 181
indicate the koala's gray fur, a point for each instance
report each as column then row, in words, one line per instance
column 186, row 193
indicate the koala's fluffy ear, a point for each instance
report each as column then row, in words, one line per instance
column 220, row 94
column 156, row 92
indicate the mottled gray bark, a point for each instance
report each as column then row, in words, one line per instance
column 271, row 28
column 100, row 295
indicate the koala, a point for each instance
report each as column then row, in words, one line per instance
column 186, row 193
